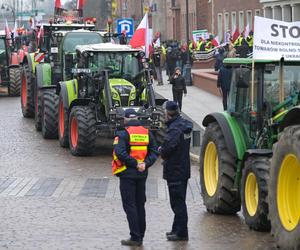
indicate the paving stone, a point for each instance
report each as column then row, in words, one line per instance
column 11, row 187
column 20, row 186
column 7, row 183
column 28, row 186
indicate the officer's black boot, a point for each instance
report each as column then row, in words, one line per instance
column 131, row 242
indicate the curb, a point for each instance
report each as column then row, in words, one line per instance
column 195, row 158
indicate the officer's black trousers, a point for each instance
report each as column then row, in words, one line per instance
column 177, row 193
column 177, row 97
column 133, row 199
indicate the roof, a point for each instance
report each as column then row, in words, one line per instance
column 64, row 32
column 238, row 60
column 106, row 47
column 76, row 25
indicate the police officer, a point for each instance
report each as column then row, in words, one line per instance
column 175, row 151
column 134, row 152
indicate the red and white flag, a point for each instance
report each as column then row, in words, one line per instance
column 7, row 30
column 142, row 36
column 235, row 34
column 57, row 4
column 247, row 30
column 80, row 4
column 15, row 30
column 215, row 41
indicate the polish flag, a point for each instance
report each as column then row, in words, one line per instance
column 7, row 30
column 235, row 34
column 215, row 41
column 80, row 4
column 247, row 30
column 57, row 4
column 142, row 36
column 15, row 30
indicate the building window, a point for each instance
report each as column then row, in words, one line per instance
column 220, row 27
column 249, row 19
column 226, row 22
column 241, row 21
column 257, row 12
column 233, row 21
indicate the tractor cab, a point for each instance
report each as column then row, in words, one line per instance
column 4, row 60
column 261, row 104
column 114, row 75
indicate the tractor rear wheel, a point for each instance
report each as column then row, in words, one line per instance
column 217, row 172
column 254, row 193
column 82, row 131
column 63, row 122
column 14, row 82
column 284, row 189
column 27, row 103
column 49, row 114
column 38, row 110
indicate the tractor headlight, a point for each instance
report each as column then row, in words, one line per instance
column 116, row 104
column 132, row 95
column 132, row 103
column 82, row 92
column 115, row 96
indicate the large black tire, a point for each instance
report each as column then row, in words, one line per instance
column 14, row 82
column 63, row 124
column 160, row 134
column 27, row 99
column 284, row 189
column 217, row 172
column 254, row 192
column 82, row 131
column 49, row 114
column 37, row 109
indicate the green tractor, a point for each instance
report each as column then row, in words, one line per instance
column 46, row 50
column 250, row 154
column 109, row 79
column 58, row 67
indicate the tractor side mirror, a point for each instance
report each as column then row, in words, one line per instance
column 243, row 77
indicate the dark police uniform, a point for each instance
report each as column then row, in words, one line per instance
column 132, row 181
column 175, row 152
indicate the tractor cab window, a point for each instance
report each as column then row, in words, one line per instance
column 73, row 39
column 271, row 84
column 291, row 80
column 2, row 44
column 118, row 64
column 239, row 99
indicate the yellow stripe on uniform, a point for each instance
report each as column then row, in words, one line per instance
column 138, row 147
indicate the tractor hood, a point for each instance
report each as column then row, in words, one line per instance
column 123, row 92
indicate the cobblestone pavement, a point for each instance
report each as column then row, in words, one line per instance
column 52, row 200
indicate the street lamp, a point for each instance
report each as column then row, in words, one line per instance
column 188, row 75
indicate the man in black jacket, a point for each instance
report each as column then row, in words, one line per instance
column 223, row 83
column 134, row 152
column 175, row 152
column 178, row 87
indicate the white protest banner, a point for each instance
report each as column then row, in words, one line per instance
column 276, row 39
column 200, row 33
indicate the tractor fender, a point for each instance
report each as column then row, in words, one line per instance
column 14, row 60
column 257, row 152
column 14, row 66
column 292, row 117
column 43, row 75
column 234, row 138
column 79, row 102
column 21, row 54
column 61, row 90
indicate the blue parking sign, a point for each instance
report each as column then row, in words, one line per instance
column 125, row 24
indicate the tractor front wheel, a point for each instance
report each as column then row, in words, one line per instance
column 284, row 189
column 63, row 122
column 14, row 82
column 254, row 193
column 27, row 103
column 82, row 131
column 217, row 172
column 49, row 114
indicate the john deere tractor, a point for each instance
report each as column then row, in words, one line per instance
column 55, row 68
column 109, row 79
column 250, row 154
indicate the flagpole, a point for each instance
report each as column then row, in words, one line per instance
column 188, row 76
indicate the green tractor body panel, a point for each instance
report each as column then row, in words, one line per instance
column 238, row 135
column 72, row 90
column 46, row 69
column 143, row 96
column 33, row 62
column 122, row 91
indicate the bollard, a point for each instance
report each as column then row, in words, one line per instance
column 196, row 139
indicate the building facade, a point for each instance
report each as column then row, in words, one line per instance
column 284, row 10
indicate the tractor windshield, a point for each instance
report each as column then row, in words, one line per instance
column 291, row 76
column 73, row 39
column 119, row 64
